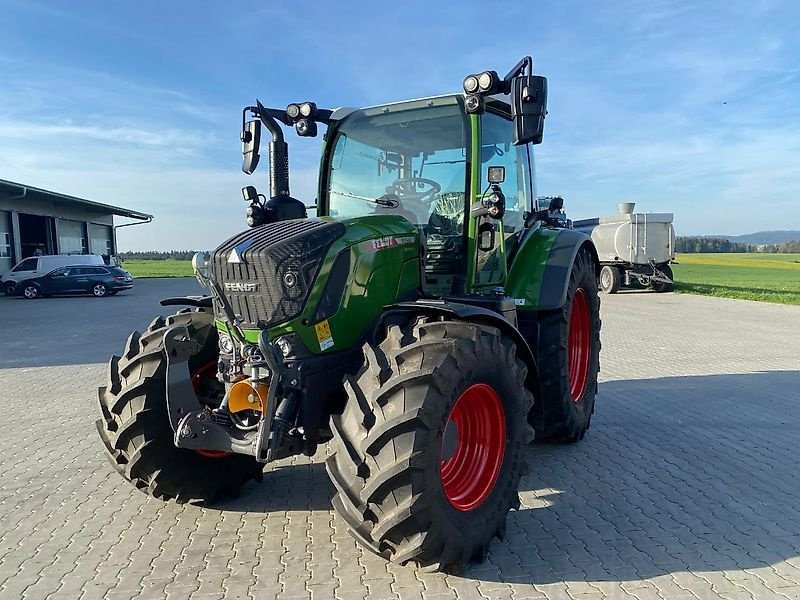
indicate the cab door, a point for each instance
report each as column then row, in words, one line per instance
column 494, row 238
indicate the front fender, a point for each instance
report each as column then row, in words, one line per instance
column 476, row 314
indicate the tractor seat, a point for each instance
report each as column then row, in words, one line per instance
column 445, row 235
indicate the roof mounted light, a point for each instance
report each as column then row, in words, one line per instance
column 293, row 111
column 307, row 109
column 471, row 84
column 489, row 82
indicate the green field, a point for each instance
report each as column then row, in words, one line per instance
column 158, row 268
column 764, row 277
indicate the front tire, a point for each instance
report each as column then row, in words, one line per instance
column 426, row 456
column 134, row 424
column 569, row 358
column 31, row 292
column 9, row 288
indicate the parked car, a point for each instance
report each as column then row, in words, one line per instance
column 77, row 279
column 37, row 266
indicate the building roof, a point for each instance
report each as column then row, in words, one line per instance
column 10, row 189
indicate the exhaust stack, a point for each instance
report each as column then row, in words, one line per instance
column 625, row 208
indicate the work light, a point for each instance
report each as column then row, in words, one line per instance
column 488, row 82
column 293, row 111
column 307, row 109
column 471, row 84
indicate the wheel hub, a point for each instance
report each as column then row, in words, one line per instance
column 473, row 446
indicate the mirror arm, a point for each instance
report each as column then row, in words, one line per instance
column 268, row 119
column 524, row 66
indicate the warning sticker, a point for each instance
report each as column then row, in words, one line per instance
column 324, row 336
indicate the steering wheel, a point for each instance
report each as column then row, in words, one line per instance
column 406, row 188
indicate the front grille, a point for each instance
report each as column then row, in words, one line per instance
column 280, row 262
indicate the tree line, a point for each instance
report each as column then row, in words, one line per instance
column 157, row 255
column 694, row 244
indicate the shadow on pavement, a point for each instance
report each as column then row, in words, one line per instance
column 676, row 474
column 284, row 488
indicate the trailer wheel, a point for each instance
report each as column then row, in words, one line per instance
column 427, row 451
column 610, row 279
column 569, row 358
column 660, row 286
column 134, row 424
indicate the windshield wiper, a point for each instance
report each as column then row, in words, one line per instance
column 386, row 200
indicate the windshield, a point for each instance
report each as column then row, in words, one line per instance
column 402, row 159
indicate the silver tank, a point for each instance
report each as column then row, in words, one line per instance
column 630, row 237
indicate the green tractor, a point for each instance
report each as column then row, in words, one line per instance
column 429, row 322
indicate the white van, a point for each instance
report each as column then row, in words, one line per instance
column 36, row 266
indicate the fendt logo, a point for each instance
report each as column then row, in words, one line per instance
column 239, row 286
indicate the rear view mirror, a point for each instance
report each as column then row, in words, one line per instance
column 251, row 140
column 528, row 108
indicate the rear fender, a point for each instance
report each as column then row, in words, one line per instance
column 539, row 275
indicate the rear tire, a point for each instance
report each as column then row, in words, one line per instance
column 406, row 485
column 660, row 286
column 610, row 279
column 569, row 358
column 134, row 424
column 99, row 290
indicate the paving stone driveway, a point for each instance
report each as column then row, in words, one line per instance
column 686, row 486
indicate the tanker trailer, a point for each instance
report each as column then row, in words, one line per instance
column 632, row 247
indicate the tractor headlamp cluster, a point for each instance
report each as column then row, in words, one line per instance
column 303, row 116
column 479, row 85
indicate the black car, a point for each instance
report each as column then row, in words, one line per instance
column 80, row 279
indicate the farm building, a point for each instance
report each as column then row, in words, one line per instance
column 37, row 221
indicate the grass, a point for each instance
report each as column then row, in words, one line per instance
column 762, row 277
column 158, row 268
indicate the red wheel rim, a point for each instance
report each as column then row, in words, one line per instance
column 200, row 379
column 473, row 446
column 579, row 345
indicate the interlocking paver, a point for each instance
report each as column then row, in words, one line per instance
column 685, row 487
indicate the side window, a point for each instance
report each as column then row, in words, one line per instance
column 97, row 271
column 60, row 272
column 498, row 151
column 29, row 264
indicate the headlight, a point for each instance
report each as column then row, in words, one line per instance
column 293, row 111
column 471, row 84
column 284, row 346
column 306, row 108
column 484, row 81
column 225, row 343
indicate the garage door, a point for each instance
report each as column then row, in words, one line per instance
column 71, row 237
column 5, row 242
column 100, row 239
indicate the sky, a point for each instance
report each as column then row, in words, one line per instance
column 684, row 107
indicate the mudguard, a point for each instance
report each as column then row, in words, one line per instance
column 476, row 314
column 538, row 277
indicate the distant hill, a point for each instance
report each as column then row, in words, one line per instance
column 762, row 237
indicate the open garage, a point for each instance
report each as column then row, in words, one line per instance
column 35, row 221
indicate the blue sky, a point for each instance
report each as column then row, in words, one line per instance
column 684, row 107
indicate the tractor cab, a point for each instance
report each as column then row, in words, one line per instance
column 415, row 160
